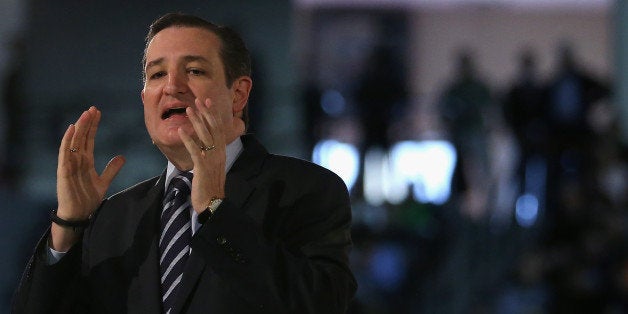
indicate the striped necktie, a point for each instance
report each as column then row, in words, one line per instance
column 174, row 242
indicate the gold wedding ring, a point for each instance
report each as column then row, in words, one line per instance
column 205, row 148
column 73, row 150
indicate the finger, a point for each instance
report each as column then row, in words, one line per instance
column 191, row 146
column 66, row 140
column 82, row 127
column 216, row 127
column 211, row 118
column 111, row 170
column 64, row 148
column 200, row 127
column 91, row 134
column 204, row 108
column 208, row 112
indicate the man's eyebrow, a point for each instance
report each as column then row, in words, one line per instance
column 188, row 58
column 191, row 58
column 154, row 63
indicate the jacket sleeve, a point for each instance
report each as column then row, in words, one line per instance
column 293, row 259
column 47, row 288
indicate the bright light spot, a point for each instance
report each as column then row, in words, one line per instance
column 428, row 166
column 527, row 210
column 394, row 183
column 375, row 169
column 341, row 158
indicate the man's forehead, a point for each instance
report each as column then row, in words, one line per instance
column 187, row 40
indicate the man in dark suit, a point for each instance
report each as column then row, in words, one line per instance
column 265, row 233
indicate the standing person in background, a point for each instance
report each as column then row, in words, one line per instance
column 573, row 210
column 226, row 228
column 464, row 108
column 571, row 94
column 524, row 109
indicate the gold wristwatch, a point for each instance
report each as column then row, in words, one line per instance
column 209, row 211
column 213, row 205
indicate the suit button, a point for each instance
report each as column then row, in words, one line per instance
column 221, row 240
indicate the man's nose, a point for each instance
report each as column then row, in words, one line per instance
column 176, row 84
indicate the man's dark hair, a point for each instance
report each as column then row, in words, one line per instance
column 234, row 55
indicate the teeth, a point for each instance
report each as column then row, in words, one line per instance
column 171, row 111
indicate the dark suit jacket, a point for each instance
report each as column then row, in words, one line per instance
column 278, row 244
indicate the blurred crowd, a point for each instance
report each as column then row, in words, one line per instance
column 536, row 221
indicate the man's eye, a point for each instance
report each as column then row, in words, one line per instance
column 157, row 75
column 196, row 71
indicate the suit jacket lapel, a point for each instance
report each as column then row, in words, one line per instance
column 191, row 275
column 148, row 294
column 238, row 187
column 239, row 184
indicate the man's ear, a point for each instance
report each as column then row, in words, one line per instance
column 142, row 94
column 241, row 90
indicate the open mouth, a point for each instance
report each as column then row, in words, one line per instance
column 173, row 111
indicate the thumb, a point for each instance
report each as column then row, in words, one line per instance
column 112, row 169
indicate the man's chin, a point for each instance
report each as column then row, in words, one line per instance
column 170, row 133
column 172, row 139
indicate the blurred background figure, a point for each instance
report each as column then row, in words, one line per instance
column 465, row 107
column 571, row 95
column 380, row 95
column 525, row 111
column 579, row 232
column 380, row 99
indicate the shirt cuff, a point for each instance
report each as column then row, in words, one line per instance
column 53, row 255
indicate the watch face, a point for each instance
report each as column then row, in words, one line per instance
column 214, row 204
